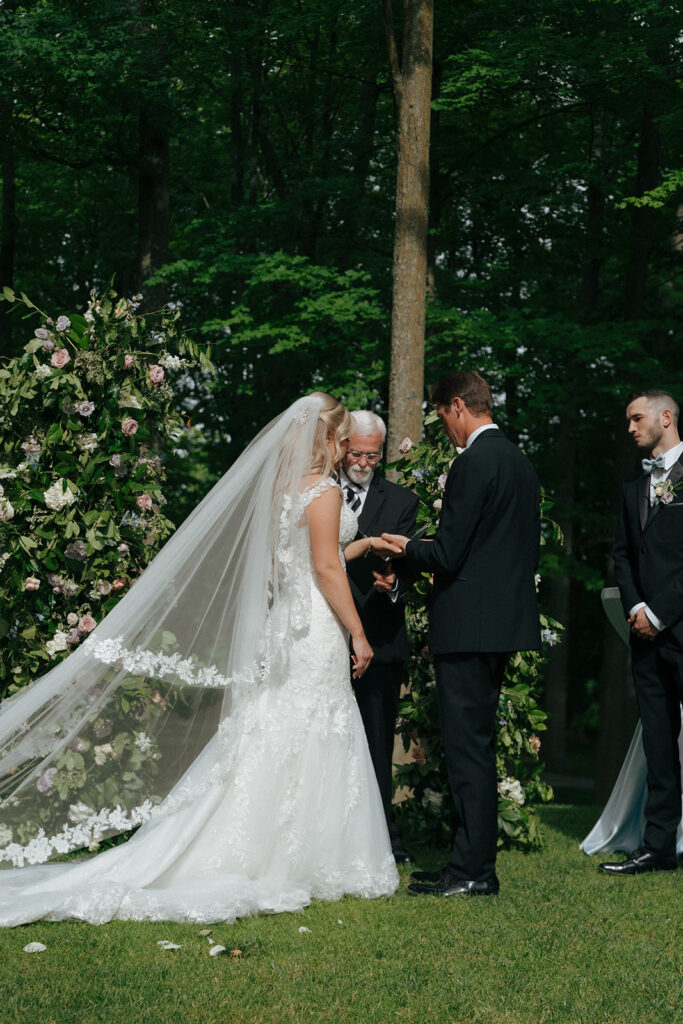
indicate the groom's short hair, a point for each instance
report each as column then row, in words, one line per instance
column 659, row 400
column 468, row 385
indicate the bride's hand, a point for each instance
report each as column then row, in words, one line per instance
column 362, row 655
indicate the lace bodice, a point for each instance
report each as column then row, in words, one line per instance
column 348, row 523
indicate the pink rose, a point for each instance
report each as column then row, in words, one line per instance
column 405, row 446
column 129, row 426
column 60, row 357
column 442, row 482
column 437, row 504
column 155, row 374
column 118, row 583
column 86, row 624
column 667, row 498
column 419, row 755
column 123, row 549
column 535, row 742
column 128, row 361
column 31, row 583
column 144, row 501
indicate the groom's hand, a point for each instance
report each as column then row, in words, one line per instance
column 641, row 625
column 396, row 540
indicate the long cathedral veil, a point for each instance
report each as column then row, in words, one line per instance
column 94, row 746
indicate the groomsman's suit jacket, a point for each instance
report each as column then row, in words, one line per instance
column 485, row 553
column 648, row 553
column 388, row 508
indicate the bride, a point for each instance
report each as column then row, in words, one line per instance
column 213, row 708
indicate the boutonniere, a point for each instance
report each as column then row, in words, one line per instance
column 665, row 491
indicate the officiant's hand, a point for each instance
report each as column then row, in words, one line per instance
column 642, row 627
column 362, row 655
column 385, row 581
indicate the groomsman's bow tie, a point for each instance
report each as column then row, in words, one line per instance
column 352, row 498
column 650, row 464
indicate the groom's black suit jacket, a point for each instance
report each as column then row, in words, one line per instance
column 648, row 553
column 388, row 508
column 485, row 553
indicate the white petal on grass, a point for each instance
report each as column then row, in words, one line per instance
column 303, row 929
column 206, row 931
column 35, row 947
column 216, row 949
column 165, row 944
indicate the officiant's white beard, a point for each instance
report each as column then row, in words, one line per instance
column 359, row 474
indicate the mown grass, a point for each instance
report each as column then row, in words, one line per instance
column 562, row 943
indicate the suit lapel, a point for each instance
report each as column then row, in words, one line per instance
column 373, row 504
column 675, row 476
column 643, row 499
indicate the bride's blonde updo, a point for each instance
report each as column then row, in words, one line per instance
column 334, row 422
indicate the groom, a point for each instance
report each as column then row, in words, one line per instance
column 648, row 564
column 484, row 558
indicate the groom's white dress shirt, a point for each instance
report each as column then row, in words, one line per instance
column 658, row 474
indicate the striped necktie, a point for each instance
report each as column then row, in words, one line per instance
column 352, row 498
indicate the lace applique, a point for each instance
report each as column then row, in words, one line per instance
column 158, row 666
column 86, row 833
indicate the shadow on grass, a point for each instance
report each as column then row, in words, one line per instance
column 570, row 820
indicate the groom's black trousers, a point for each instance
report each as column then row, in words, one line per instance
column 658, row 675
column 468, row 687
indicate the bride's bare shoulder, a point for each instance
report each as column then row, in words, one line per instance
column 314, row 485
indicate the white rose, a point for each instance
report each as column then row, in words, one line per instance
column 511, row 789
column 58, row 643
column 56, row 498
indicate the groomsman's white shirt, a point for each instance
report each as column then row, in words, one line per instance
column 658, row 474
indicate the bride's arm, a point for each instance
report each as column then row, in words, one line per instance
column 372, row 546
column 323, row 525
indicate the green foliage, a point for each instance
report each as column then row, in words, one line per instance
column 87, row 416
column 427, row 809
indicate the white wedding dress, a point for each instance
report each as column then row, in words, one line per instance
column 297, row 817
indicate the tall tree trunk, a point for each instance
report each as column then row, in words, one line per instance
column 411, row 77
column 153, row 201
column 8, row 227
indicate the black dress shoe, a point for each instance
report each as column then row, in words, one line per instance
column 637, row 863
column 449, row 885
column 430, row 876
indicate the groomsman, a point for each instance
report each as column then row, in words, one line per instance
column 484, row 558
column 378, row 591
column 648, row 564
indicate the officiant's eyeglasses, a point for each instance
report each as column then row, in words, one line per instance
column 368, row 456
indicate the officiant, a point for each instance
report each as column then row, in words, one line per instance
column 378, row 590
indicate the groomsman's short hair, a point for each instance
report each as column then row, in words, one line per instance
column 659, row 400
column 468, row 385
column 365, row 423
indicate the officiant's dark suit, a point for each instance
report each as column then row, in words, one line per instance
column 484, row 558
column 648, row 564
column 388, row 508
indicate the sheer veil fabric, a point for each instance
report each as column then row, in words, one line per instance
column 213, row 707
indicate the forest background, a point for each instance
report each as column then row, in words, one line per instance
column 238, row 160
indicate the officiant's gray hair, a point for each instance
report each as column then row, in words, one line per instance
column 366, row 423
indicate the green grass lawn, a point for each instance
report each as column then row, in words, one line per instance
column 561, row 943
